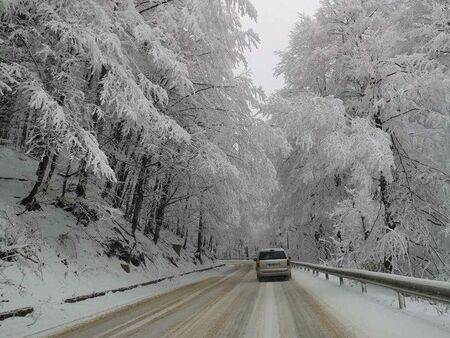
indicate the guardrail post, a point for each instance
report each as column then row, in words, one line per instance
column 363, row 287
column 326, row 276
column 341, row 281
column 401, row 300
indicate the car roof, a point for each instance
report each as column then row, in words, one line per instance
column 271, row 249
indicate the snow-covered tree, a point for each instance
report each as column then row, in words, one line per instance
column 387, row 62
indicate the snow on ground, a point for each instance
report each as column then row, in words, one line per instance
column 49, row 316
column 66, row 259
column 375, row 314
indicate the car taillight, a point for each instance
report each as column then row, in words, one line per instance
column 257, row 264
column 288, row 262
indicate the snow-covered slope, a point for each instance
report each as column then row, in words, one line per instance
column 62, row 258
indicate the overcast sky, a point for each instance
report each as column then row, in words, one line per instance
column 276, row 18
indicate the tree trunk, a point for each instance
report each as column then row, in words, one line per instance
column 52, row 170
column 108, row 183
column 200, row 234
column 139, row 194
column 24, row 134
column 389, row 221
column 66, row 178
column 129, row 198
column 40, row 173
column 149, row 226
column 121, row 178
column 159, row 215
column 82, row 180
column 185, row 239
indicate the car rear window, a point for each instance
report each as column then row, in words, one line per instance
column 266, row 255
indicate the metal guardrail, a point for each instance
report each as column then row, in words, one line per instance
column 424, row 288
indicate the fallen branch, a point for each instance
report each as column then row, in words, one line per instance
column 126, row 288
column 22, row 312
column 11, row 250
column 16, row 179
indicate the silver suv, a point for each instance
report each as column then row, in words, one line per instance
column 273, row 263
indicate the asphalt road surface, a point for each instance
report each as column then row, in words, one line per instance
column 233, row 304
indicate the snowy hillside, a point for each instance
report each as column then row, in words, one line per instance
column 59, row 258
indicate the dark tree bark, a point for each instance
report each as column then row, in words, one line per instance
column 108, row 183
column 149, row 226
column 82, row 179
column 40, row 173
column 66, row 178
column 160, row 209
column 7, row 106
column 185, row 239
column 129, row 198
column 52, row 169
column 121, row 178
column 389, row 221
column 200, row 234
column 139, row 194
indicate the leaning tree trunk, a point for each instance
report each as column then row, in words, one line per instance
column 40, row 173
column 185, row 239
column 52, row 170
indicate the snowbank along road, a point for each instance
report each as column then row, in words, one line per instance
column 233, row 304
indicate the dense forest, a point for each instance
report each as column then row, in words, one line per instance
column 143, row 104
column 141, row 99
column 366, row 109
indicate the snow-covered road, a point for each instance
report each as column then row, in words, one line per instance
column 233, row 304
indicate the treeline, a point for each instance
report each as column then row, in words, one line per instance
column 366, row 110
column 139, row 102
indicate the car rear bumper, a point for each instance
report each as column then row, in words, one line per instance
column 274, row 273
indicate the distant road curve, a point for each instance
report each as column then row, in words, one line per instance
column 233, row 304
